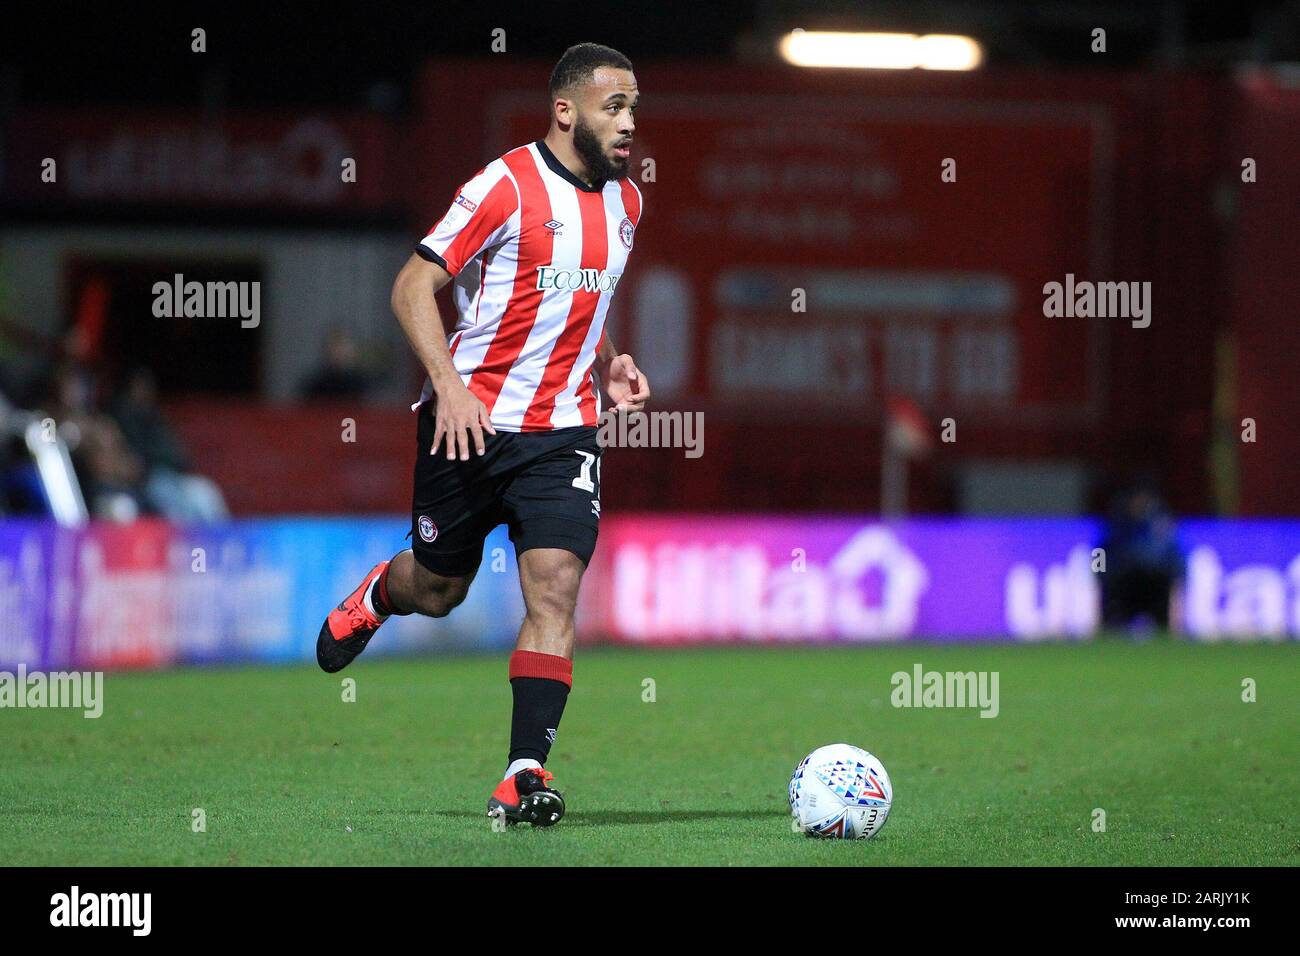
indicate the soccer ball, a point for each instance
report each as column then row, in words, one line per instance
column 841, row 792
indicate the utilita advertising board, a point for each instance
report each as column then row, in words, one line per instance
column 690, row 580
column 150, row 595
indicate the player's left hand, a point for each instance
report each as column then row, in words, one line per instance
column 625, row 384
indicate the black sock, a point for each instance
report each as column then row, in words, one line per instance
column 539, row 704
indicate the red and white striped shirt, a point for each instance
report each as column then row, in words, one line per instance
column 536, row 254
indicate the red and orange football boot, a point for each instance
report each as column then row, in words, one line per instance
column 350, row 626
column 527, row 798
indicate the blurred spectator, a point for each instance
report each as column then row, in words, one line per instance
column 1143, row 561
column 170, row 486
column 341, row 376
column 111, row 474
column 116, row 491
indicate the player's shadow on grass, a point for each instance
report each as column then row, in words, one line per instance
column 642, row 817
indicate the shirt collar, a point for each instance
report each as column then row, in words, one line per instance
column 562, row 171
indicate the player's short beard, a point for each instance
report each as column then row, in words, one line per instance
column 589, row 147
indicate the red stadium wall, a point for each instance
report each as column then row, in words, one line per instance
column 1264, row 278
column 296, row 460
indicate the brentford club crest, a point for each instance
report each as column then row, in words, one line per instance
column 625, row 231
column 428, row 530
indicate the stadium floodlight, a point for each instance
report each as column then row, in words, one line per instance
column 881, row 51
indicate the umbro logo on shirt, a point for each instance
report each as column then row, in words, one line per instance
column 574, row 280
column 554, row 226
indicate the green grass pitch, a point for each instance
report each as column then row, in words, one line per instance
column 1154, row 734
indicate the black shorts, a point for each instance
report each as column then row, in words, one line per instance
column 544, row 485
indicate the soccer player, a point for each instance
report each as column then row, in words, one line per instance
column 534, row 244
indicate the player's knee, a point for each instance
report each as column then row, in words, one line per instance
column 440, row 600
column 550, row 612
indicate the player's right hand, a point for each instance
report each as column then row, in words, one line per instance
column 460, row 420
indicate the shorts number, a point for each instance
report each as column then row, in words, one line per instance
column 583, row 481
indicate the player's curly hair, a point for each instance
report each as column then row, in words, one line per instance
column 580, row 61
